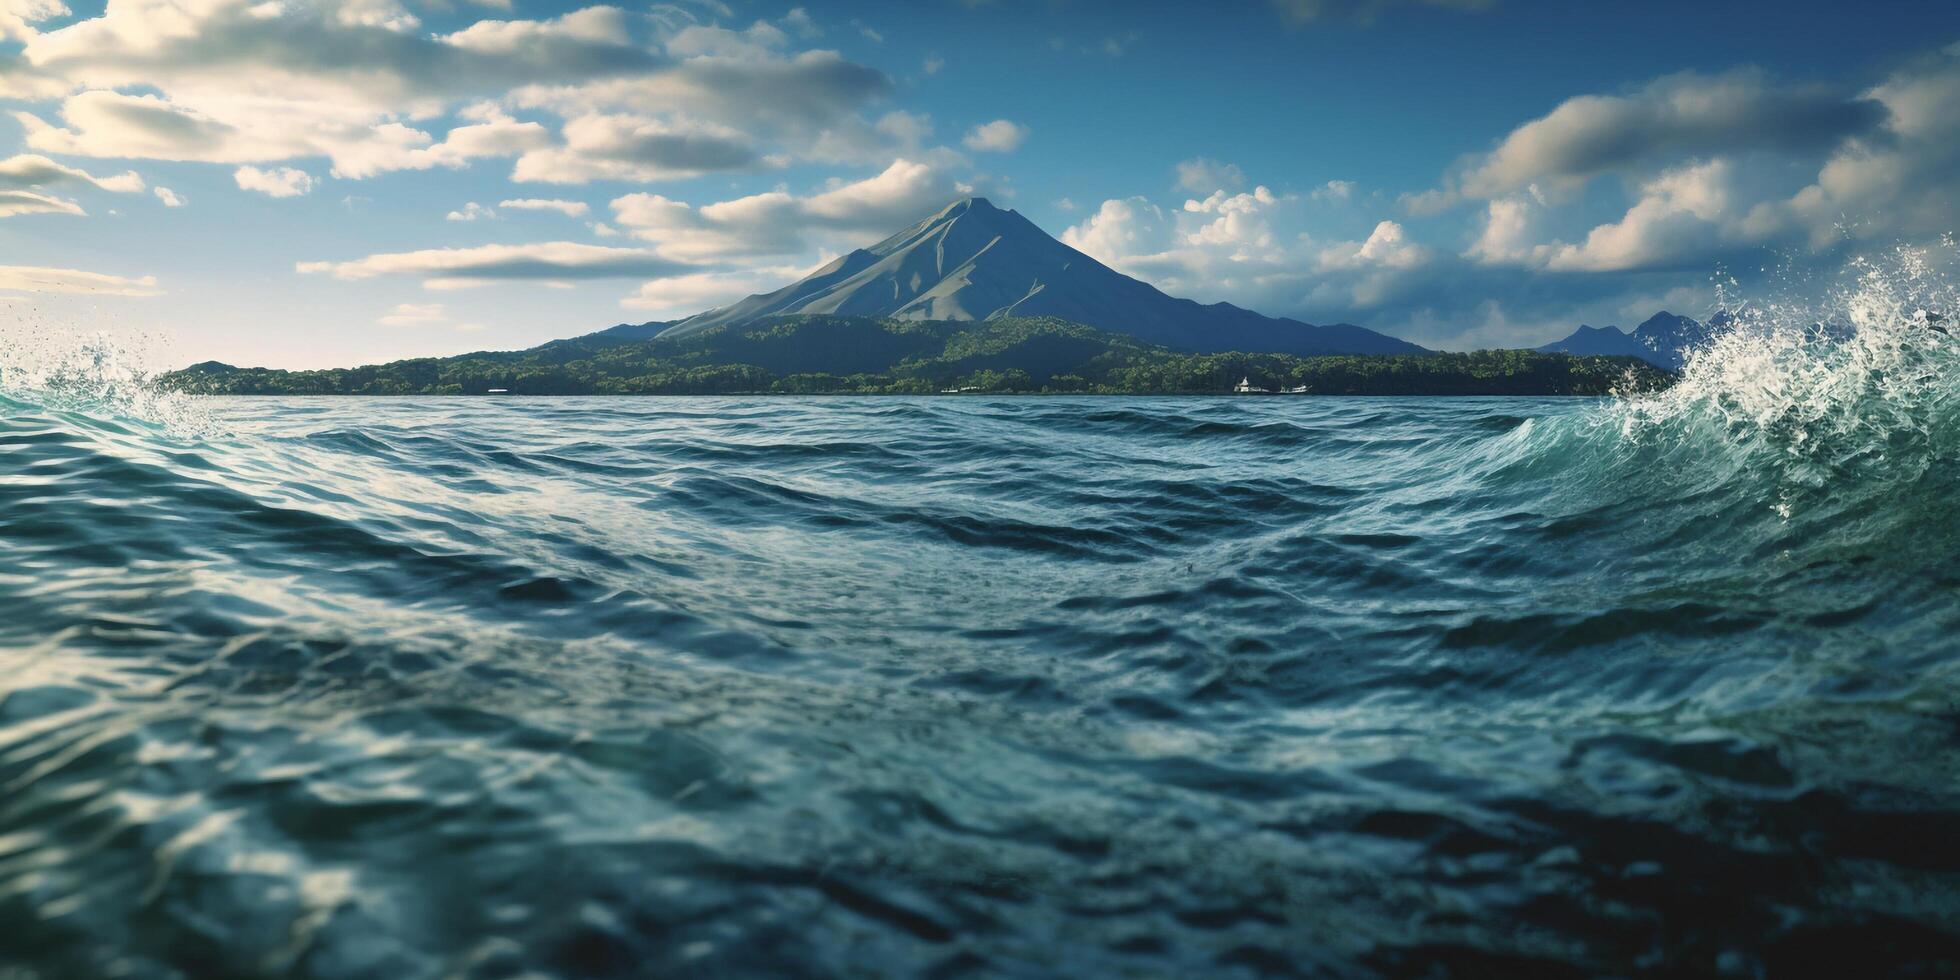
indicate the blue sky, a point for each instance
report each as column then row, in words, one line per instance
column 345, row 181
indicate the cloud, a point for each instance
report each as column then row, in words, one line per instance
column 759, row 41
column 1333, row 190
column 23, row 176
column 903, row 192
column 1387, row 246
column 799, row 21
column 1202, row 176
column 364, row 85
column 1120, row 230
column 415, row 315
column 1254, row 248
column 424, row 315
column 17, row 17
column 999, row 136
column 227, row 81
column 907, row 129
column 275, row 182
column 1680, row 219
column 363, row 53
column 932, row 64
column 570, row 209
column 1669, row 118
column 1719, row 167
column 27, row 202
column 636, row 148
column 790, row 99
column 779, row 223
column 470, row 212
column 34, row 279
column 29, row 170
column 1902, row 181
column 168, row 197
column 543, row 262
column 113, row 124
column 1507, row 234
column 21, row 80
column 1675, row 223
column 686, row 295
column 1238, row 222
column 1541, row 258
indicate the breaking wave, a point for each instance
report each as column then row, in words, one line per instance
column 1868, row 379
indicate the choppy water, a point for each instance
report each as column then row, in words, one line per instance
column 889, row 687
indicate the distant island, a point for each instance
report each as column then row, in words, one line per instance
column 811, row 355
column 976, row 298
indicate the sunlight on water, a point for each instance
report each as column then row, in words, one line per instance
column 1209, row 686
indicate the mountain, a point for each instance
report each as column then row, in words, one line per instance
column 1606, row 341
column 1663, row 340
column 1669, row 337
column 627, row 333
column 973, row 261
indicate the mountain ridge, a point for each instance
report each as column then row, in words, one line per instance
column 973, row 261
column 1662, row 340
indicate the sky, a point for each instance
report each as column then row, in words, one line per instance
column 308, row 184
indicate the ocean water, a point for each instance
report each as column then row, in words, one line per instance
column 974, row 686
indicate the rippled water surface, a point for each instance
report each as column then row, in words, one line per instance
column 890, row 687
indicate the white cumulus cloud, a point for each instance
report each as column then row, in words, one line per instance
column 470, row 212
column 275, row 181
column 776, row 223
column 999, row 136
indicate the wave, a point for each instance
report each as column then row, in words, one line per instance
column 1528, row 683
column 1824, row 429
column 1862, row 387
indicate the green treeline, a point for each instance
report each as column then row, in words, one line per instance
column 866, row 355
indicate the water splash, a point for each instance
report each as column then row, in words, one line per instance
column 1858, row 387
column 100, row 376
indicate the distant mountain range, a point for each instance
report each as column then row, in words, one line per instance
column 976, row 298
column 1663, row 340
column 973, row 261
